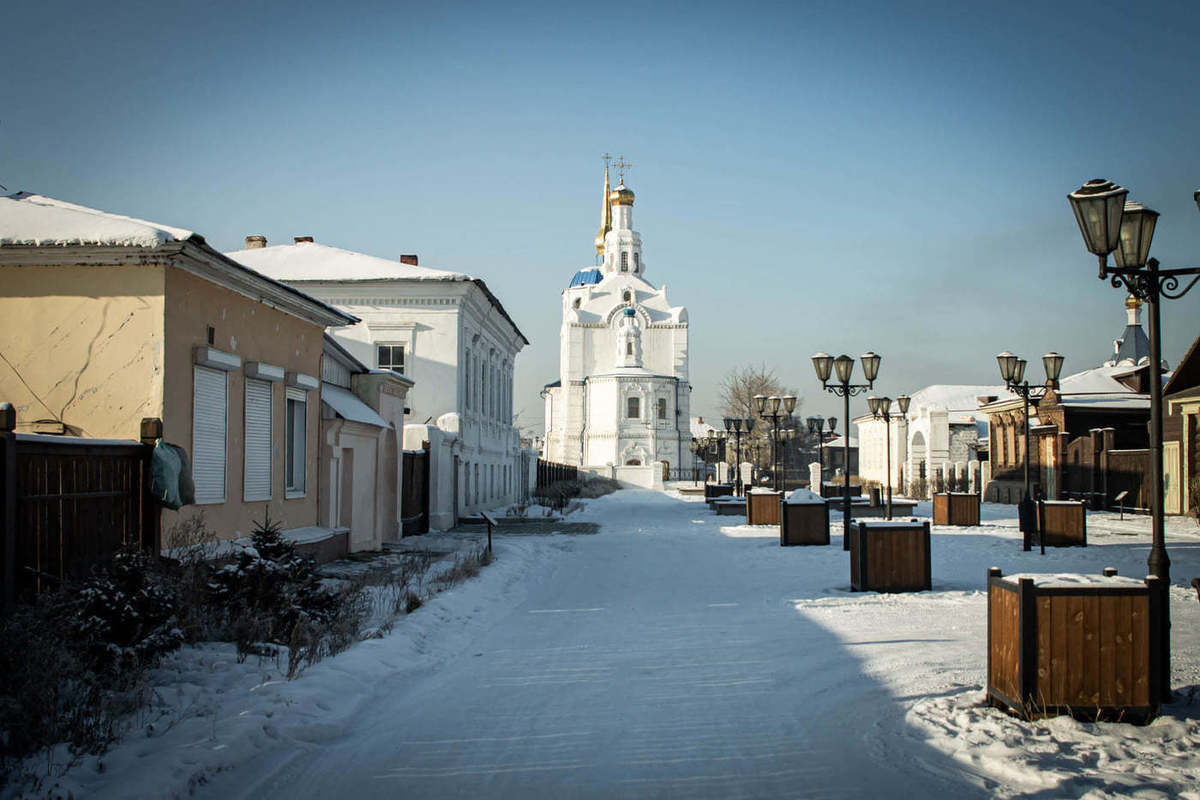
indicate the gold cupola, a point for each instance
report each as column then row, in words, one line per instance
column 605, row 216
column 621, row 196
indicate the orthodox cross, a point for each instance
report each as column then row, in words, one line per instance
column 607, row 158
column 621, row 164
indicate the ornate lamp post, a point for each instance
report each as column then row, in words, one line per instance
column 1012, row 370
column 824, row 363
column 1109, row 224
column 735, row 424
column 695, row 448
column 881, row 408
column 768, row 408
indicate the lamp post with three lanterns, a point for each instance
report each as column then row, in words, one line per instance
column 881, row 408
column 768, row 409
column 824, row 363
column 734, row 425
column 1110, row 224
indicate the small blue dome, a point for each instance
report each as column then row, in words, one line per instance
column 586, row 277
column 629, row 311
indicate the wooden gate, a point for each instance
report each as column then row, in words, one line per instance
column 414, row 502
column 68, row 504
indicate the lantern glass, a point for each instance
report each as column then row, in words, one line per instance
column 1137, row 231
column 832, row 423
column 873, row 405
column 812, row 425
column 870, row 363
column 760, row 403
column 1098, row 206
column 885, row 405
column 749, row 423
column 822, row 363
column 843, row 367
column 775, row 401
column 1052, row 362
column 729, row 423
column 902, row 403
column 789, row 403
column 1008, row 365
column 1019, row 372
column 737, row 424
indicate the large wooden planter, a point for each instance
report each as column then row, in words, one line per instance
column 890, row 556
column 712, row 490
column 803, row 519
column 729, row 507
column 834, row 490
column 956, row 508
column 1063, row 522
column 1072, row 644
column 762, row 508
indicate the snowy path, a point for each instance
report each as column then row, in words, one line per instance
column 674, row 654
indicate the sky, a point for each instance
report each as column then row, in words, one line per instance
column 838, row 176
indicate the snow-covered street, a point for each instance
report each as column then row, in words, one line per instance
column 680, row 654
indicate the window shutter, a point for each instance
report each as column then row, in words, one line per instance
column 257, row 483
column 208, row 434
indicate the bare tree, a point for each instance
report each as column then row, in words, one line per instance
column 737, row 391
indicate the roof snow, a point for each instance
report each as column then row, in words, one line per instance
column 962, row 402
column 33, row 219
column 312, row 261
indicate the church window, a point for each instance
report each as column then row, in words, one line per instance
column 662, row 408
column 633, row 409
column 627, row 297
column 636, row 262
column 577, row 302
column 624, row 262
column 629, row 348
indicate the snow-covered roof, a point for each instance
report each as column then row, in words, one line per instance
column 700, row 428
column 312, row 261
column 961, row 401
column 37, row 220
column 837, row 442
column 1096, row 388
column 348, row 406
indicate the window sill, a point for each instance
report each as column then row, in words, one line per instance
column 291, row 494
column 265, row 499
column 209, row 502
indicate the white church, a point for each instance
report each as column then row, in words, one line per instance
column 621, row 405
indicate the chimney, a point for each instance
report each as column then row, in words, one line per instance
column 256, row 241
column 300, row 239
column 409, row 259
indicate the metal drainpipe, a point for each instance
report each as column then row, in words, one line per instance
column 583, row 427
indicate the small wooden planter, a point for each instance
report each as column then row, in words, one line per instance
column 762, row 508
column 1088, row 648
column 729, row 507
column 712, row 490
column 891, row 556
column 956, row 508
column 834, row 490
column 1063, row 522
column 803, row 519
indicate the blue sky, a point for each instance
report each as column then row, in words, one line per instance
column 836, row 176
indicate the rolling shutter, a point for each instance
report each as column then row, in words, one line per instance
column 257, row 483
column 208, row 434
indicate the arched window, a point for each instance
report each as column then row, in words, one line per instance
column 577, row 302
column 629, row 348
column 633, row 408
column 627, row 296
column 624, row 261
column 662, row 408
column 636, row 262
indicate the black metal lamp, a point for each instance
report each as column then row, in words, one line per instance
column 843, row 366
column 1099, row 206
column 823, row 363
column 870, row 363
column 789, row 403
column 1008, row 365
column 1052, row 363
column 902, row 403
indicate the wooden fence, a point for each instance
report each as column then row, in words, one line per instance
column 549, row 472
column 68, row 504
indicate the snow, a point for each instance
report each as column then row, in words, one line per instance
column 33, row 219
column 675, row 653
column 804, row 497
column 961, row 401
column 312, row 261
column 1072, row 579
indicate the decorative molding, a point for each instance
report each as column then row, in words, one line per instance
column 216, row 359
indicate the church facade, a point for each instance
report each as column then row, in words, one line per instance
column 621, row 405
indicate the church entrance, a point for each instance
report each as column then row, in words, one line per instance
column 666, row 468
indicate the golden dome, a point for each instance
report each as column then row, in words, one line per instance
column 621, row 196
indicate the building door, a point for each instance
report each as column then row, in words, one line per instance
column 1172, row 479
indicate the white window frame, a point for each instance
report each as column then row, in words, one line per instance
column 637, row 401
column 624, row 261
column 404, row 354
column 291, row 490
column 254, row 386
column 199, row 447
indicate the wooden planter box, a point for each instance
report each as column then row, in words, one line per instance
column 956, row 508
column 1071, row 644
column 803, row 519
column 834, row 490
column 1063, row 523
column 890, row 556
column 762, row 508
column 729, row 507
column 712, row 490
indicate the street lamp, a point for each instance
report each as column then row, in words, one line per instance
column 881, row 408
column 768, row 408
column 816, row 427
column 1109, row 224
column 823, row 363
column 1012, row 370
